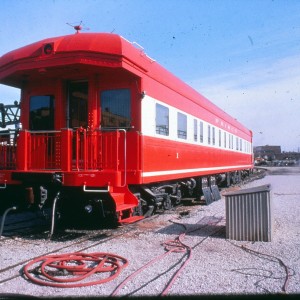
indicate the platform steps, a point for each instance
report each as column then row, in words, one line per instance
column 125, row 204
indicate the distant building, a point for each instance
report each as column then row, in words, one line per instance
column 273, row 154
column 267, row 152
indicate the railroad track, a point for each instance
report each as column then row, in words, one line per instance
column 38, row 223
column 24, row 223
column 82, row 243
column 101, row 236
column 22, row 226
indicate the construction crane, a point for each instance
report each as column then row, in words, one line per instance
column 9, row 114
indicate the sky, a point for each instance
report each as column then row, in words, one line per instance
column 243, row 55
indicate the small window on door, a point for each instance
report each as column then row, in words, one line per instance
column 115, row 108
column 41, row 112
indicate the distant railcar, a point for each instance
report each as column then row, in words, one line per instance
column 105, row 128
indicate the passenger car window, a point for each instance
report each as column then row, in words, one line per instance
column 115, row 108
column 162, row 119
column 41, row 112
column 201, row 132
column 195, row 130
column 181, row 125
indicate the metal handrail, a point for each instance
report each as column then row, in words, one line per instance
column 7, row 131
column 125, row 157
column 95, row 191
column 125, row 148
column 43, row 131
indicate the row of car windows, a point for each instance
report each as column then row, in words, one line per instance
column 115, row 108
column 115, row 113
column 203, row 132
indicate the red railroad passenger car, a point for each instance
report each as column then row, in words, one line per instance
column 107, row 129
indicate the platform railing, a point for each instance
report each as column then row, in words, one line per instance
column 44, row 150
column 86, row 150
column 7, row 149
column 71, row 150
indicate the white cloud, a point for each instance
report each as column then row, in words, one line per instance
column 265, row 98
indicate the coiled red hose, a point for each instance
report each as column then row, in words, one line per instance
column 66, row 270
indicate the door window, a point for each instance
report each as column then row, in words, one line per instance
column 78, row 104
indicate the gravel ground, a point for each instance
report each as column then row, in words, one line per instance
column 217, row 266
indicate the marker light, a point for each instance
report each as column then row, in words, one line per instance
column 48, row 49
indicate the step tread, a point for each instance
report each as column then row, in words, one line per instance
column 131, row 219
column 118, row 197
column 121, row 207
